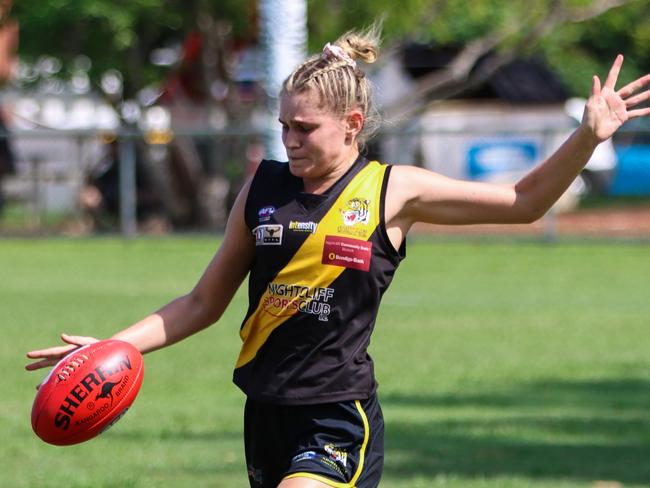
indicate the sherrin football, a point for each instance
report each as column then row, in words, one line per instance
column 87, row 391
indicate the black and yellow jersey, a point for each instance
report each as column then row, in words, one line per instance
column 321, row 266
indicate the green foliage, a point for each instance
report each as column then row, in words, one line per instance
column 122, row 34
column 118, row 35
column 576, row 50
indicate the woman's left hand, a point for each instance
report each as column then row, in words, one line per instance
column 608, row 109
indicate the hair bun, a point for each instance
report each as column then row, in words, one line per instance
column 363, row 45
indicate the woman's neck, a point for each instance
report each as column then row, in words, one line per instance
column 321, row 184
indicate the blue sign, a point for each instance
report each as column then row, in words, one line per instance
column 490, row 158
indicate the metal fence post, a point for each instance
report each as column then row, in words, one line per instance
column 550, row 218
column 36, row 188
column 128, row 217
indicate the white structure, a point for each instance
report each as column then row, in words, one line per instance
column 283, row 27
column 51, row 166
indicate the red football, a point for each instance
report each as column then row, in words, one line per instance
column 87, row 392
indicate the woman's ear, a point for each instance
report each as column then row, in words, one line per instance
column 353, row 125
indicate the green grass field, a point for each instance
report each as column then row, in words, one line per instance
column 500, row 365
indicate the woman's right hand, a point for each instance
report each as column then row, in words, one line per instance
column 52, row 355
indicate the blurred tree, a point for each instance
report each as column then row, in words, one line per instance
column 121, row 34
column 8, row 45
column 187, row 46
column 578, row 37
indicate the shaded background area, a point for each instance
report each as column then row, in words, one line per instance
column 577, row 431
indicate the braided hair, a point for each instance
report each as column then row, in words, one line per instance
column 337, row 80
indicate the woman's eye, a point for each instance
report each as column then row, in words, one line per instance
column 303, row 129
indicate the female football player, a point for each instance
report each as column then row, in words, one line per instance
column 320, row 238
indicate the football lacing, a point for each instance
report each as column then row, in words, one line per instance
column 69, row 368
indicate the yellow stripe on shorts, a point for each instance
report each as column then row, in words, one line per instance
column 362, row 454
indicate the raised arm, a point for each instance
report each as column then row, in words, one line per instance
column 418, row 195
column 189, row 313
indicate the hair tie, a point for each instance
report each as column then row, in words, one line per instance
column 332, row 51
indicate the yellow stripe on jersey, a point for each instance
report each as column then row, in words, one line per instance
column 305, row 276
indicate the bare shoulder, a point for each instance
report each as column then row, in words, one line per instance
column 398, row 182
column 409, row 180
column 400, row 195
column 405, row 187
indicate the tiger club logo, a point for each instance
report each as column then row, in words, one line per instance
column 356, row 211
column 337, row 454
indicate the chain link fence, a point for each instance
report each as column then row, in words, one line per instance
column 130, row 182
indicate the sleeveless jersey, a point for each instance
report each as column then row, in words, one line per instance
column 321, row 266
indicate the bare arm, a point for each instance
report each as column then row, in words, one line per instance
column 424, row 196
column 189, row 313
column 417, row 195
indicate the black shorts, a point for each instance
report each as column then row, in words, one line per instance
column 340, row 444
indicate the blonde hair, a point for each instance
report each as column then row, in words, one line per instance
column 340, row 84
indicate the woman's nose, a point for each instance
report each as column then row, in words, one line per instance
column 290, row 139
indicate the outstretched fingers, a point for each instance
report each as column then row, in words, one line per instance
column 43, row 363
column 595, row 86
column 639, row 112
column 50, row 352
column 635, row 100
column 52, row 355
column 634, row 86
column 78, row 340
column 612, row 76
column 48, row 357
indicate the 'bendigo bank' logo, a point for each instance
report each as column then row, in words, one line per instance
column 96, row 380
column 347, row 252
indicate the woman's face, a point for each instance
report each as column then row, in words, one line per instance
column 317, row 141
